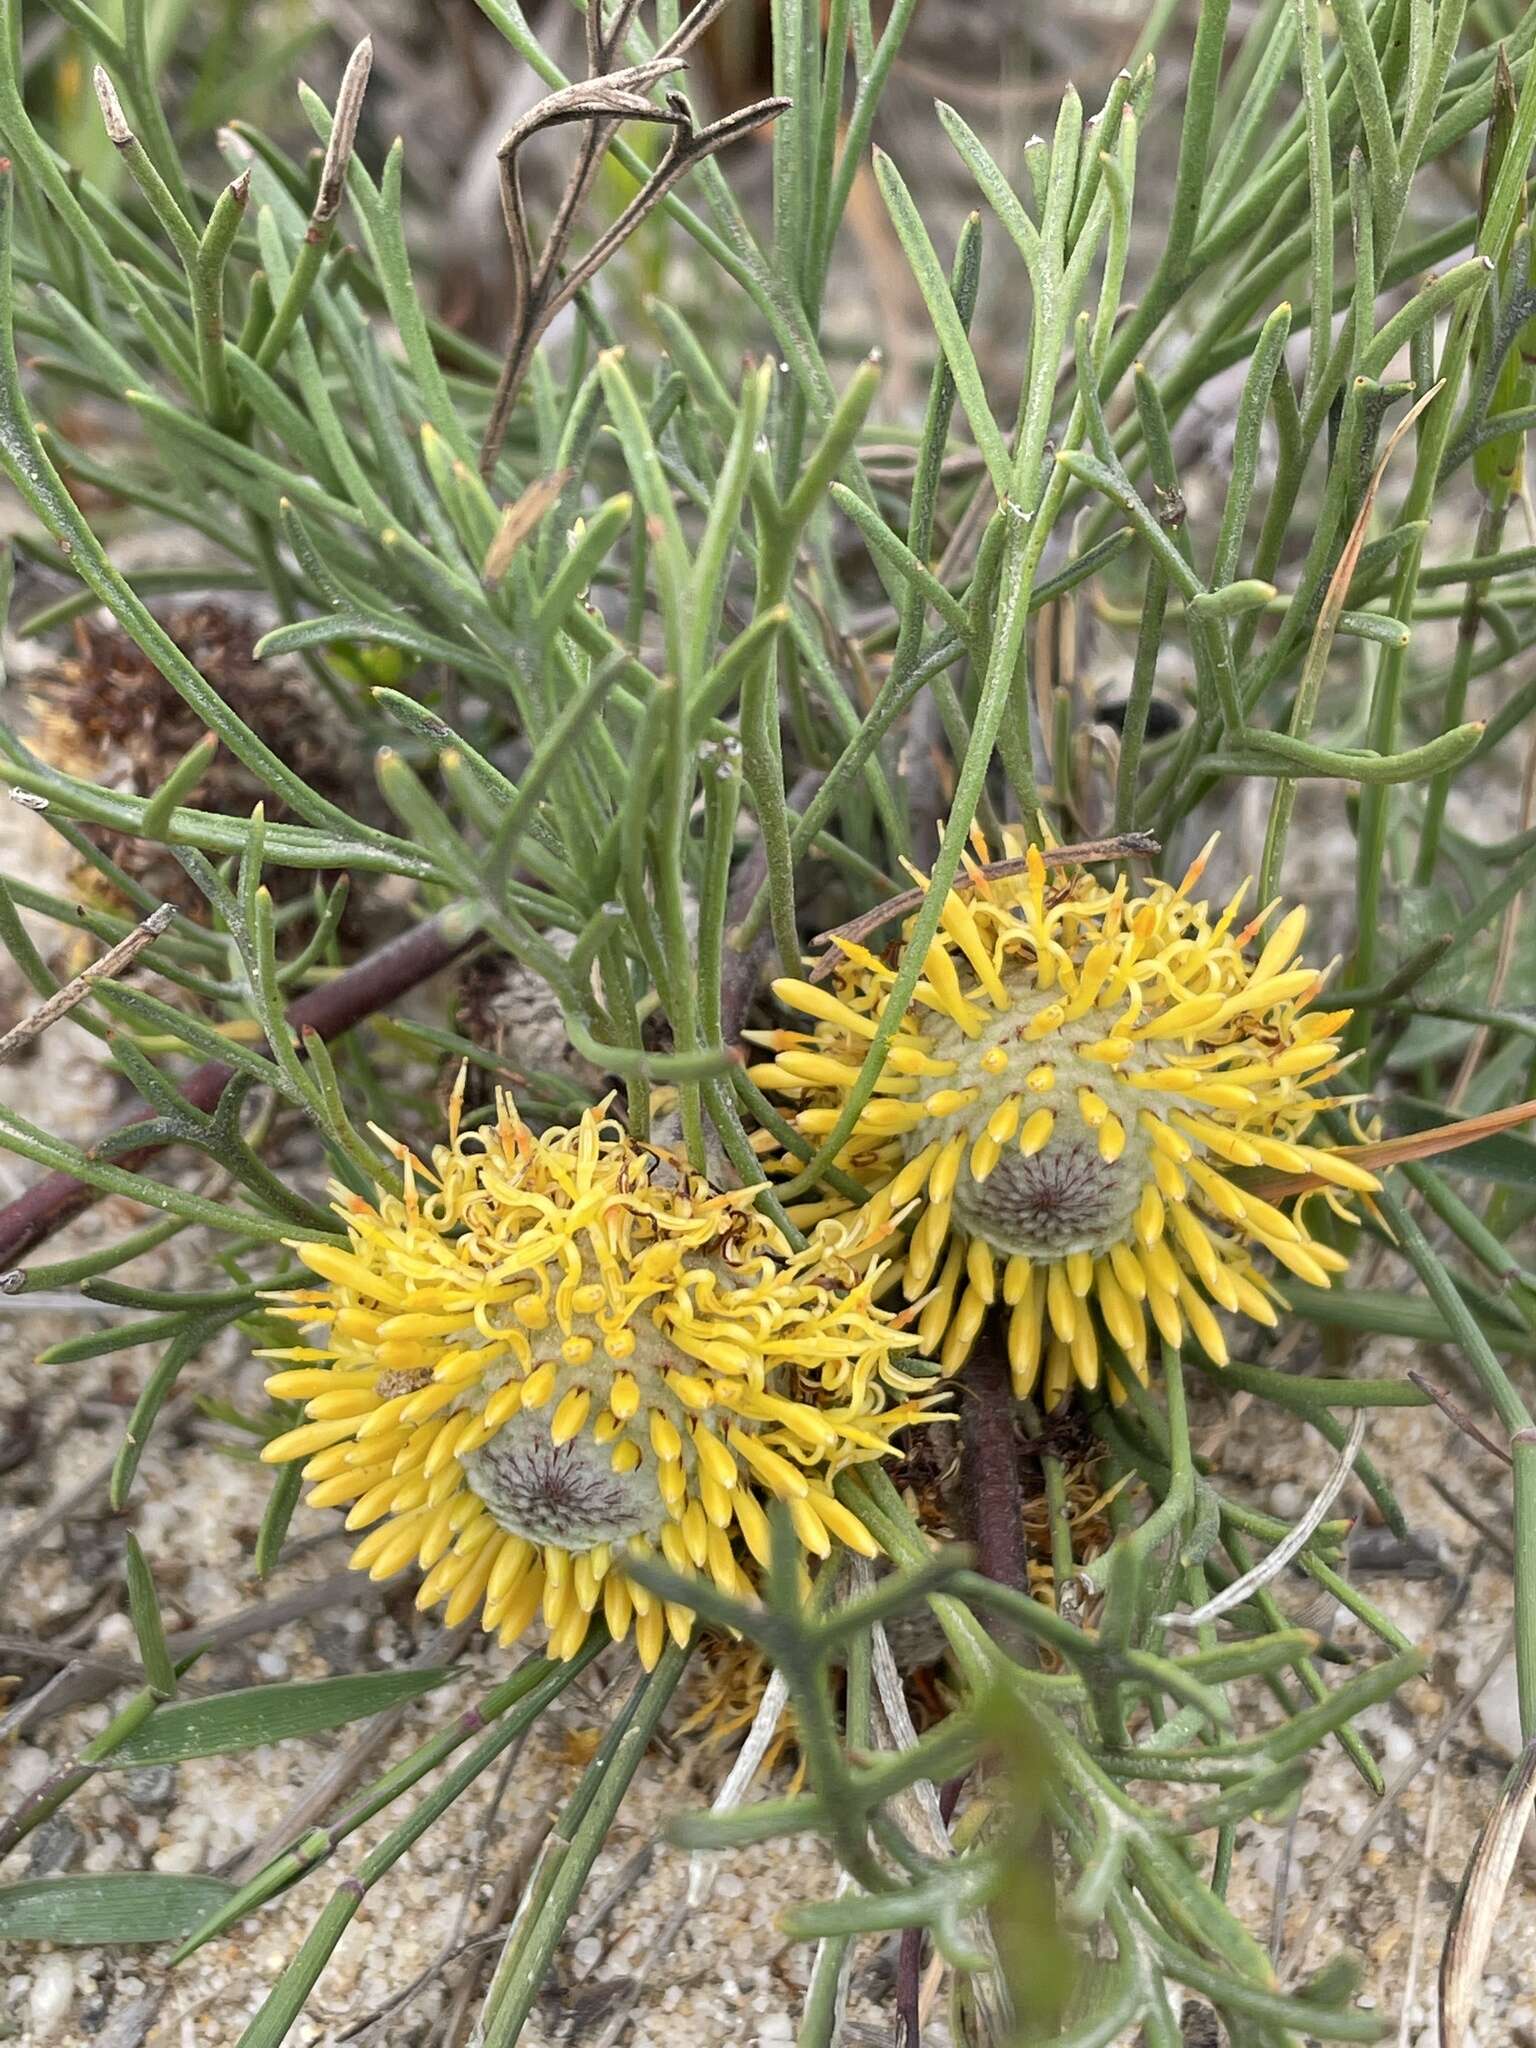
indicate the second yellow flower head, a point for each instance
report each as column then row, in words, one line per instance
column 1066, row 1110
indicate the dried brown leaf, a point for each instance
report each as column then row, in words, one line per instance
column 1475, row 1915
column 1417, row 1145
column 518, row 520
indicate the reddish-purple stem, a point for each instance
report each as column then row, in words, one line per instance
column 329, row 1010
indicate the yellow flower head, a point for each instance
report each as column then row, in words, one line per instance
column 547, row 1355
column 1062, row 1109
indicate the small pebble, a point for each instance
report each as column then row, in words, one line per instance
column 26, row 1769
column 184, row 1852
column 52, row 1994
column 151, row 1788
column 57, row 1845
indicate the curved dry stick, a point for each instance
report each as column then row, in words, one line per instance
column 542, row 288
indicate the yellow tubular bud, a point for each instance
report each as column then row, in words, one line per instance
column 946, row 1169
column 1036, row 1134
column 913, row 1177
column 985, row 1154
column 819, row 1002
column 1024, row 1346
column 1004, row 1120
column 980, row 1269
column 1061, row 1303
column 650, row 1634
column 844, row 1524
column 570, row 1415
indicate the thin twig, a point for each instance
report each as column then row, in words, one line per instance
column 92, row 1680
column 1460, row 1417
column 630, row 1990
column 1326, row 1893
column 1497, row 1539
column 58, row 1510
column 611, row 1897
column 1405, row 2028
column 1282, row 1888
column 542, row 287
column 1270, row 1567
column 770, row 1710
column 442, row 1647
column 409, row 1993
column 64, row 999
column 458, row 1945
column 58, row 1694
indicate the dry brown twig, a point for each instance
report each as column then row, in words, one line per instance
column 542, row 286
column 1456, row 1414
column 1479, row 1902
column 335, row 1006
column 65, row 999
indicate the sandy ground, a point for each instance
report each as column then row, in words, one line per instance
column 1382, row 1885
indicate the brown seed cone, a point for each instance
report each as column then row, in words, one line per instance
column 106, row 713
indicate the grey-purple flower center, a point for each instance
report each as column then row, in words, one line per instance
column 566, row 1494
column 1064, row 1199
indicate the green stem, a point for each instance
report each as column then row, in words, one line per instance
column 1490, row 531
column 572, row 1850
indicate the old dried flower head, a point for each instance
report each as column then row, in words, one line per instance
column 1071, row 1102
column 547, row 1355
column 107, row 714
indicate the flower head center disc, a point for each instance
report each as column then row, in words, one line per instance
column 1052, row 1188
column 567, row 1494
column 581, row 1486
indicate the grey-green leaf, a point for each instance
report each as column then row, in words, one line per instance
column 130, row 1906
column 266, row 1713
